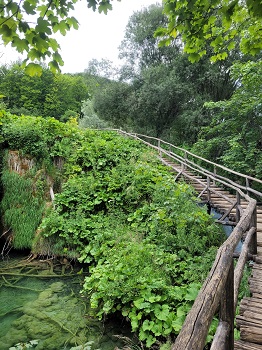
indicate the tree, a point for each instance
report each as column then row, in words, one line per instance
column 103, row 68
column 89, row 118
column 110, row 103
column 28, row 26
column 140, row 48
column 66, row 93
column 156, row 103
column 234, row 137
column 219, row 24
column 165, row 93
column 48, row 95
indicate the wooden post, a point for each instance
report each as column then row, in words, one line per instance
column 215, row 173
column 227, row 311
column 208, row 190
column 247, row 185
column 253, row 223
column 159, row 147
column 238, row 199
column 185, row 157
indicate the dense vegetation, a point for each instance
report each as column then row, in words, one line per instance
column 117, row 209
column 212, row 108
column 48, row 95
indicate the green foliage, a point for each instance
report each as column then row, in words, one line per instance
column 37, row 136
column 119, row 211
column 29, row 28
column 139, row 47
column 219, row 24
column 159, row 92
column 127, row 218
column 22, row 346
column 25, row 134
column 234, row 136
column 22, row 207
column 137, row 279
column 47, row 95
column 89, row 117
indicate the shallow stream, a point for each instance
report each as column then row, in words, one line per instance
column 44, row 312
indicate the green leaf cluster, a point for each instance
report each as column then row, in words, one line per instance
column 47, row 95
column 29, row 26
column 22, row 207
column 219, row 24
column 234, row 136
column 159, row 92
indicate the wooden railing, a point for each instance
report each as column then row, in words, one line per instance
column 219, row 293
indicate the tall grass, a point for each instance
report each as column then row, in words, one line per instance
column 21, row 208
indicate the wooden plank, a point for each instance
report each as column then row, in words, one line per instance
column 241, row 345
column 251, row 306
column 251, row 334
column 254, row 288
column 250, row 310
column 256, row 274
column 257, row 295
column 250, row 319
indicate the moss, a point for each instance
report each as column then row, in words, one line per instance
column 55, row 319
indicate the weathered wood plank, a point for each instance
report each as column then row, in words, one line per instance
column 251, row 334
column 248, row 320
column 250, row 303
column 241, row 345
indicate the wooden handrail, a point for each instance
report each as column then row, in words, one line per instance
column 220, row 289
column 188, row 163
column 195, row 329
column 139, row 136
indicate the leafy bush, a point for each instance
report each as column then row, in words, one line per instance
column 135, row 227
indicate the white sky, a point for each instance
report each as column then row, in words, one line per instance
column 98, row 35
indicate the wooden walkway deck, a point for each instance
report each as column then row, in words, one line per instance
column 249, row 320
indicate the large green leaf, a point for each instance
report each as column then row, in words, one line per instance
column 33, row 69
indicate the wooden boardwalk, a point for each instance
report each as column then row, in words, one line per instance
column 249, row 320
column 219, row 293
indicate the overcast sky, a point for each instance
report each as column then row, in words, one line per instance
column 98, row 36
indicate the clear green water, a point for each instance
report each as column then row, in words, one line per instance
column 51, row 312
